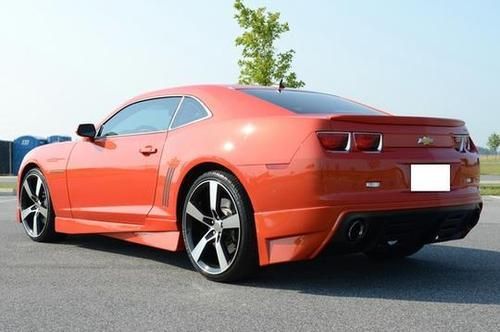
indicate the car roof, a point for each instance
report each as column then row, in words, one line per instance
column 226, row 99
column 191, row 89
column 223, row 99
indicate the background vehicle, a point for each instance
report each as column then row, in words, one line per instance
column 247, row 176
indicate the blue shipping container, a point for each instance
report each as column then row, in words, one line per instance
column 21, row 146
column 58, row 138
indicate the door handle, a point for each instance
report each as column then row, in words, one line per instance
column 147, row 150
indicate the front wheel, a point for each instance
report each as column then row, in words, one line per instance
column 218, row 227
column 36, row 207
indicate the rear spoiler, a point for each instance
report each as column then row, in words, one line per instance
column 399, row 120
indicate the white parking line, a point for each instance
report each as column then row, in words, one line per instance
column 494, row 197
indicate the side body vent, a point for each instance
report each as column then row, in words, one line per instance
column 166, row 187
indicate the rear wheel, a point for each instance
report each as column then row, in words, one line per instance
column 394, row 249
column 218, row 228
column 36, row 207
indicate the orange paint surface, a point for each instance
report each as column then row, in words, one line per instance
column 299, row 191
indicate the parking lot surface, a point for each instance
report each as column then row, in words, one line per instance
column 92, row 283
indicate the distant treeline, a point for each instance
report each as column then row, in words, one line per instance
column 484, row 151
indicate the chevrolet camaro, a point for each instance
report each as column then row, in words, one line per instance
column 242, row 176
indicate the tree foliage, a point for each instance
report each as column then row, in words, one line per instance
column 494, row 142
column 260, row 63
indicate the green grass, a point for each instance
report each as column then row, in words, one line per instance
column 7, row 185
column 491, row 190
column 490, row 165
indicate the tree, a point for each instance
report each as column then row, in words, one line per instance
column 260, row 64
column 494, row 142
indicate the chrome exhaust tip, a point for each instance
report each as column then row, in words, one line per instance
column 357, row 230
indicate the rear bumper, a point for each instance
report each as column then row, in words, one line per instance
column 300, row 234
column 426, row 225
column 300, row 206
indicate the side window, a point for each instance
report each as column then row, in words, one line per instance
column 142, row 117
column 189, row 111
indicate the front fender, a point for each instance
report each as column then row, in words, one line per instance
column 52, row 160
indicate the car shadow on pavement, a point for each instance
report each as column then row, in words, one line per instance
column 438, row 273
column 103, row 243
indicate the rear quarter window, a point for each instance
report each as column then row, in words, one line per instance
column 189, row 111
column 305, row 102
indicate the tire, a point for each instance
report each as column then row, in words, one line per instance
column 37, row 214
column 397, row 250
column 218, row 228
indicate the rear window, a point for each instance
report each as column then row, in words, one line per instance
column 305, row 102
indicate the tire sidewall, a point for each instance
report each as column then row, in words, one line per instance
column 247, row 229
column 49, row 227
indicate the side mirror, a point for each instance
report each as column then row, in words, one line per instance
column 86, row 130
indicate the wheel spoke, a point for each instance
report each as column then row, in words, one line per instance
column 232, row 221
column 42, row 211
column 38, row 186
column 35, row 224
column 26, row 212
column 215, row 251
column 213, row 197
column 26, row 187
column 221, row 256
column 198, row 249
column 196, row 214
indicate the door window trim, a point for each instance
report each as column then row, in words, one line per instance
column 209, row 114
column 169, row 127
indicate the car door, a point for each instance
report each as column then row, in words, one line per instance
column 113, row 177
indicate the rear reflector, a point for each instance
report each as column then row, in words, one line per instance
column 369, row 142
column 335, row 141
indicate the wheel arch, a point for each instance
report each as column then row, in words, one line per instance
column 196, row 171
column 28, row 167
column 20, row 177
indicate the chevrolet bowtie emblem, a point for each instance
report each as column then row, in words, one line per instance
column 425, row 140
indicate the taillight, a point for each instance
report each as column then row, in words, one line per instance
column 464, row 143
column 335, row 141
column 458, row 142
column 368, row 142
column 344, row 141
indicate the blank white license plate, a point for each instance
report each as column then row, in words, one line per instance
column 430, row 177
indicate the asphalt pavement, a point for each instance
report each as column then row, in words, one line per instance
column 92, row 283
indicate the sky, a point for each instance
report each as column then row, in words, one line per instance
column 68, row 62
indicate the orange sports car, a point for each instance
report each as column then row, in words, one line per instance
column 243, row 176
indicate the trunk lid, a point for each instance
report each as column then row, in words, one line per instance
column 399, row 120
